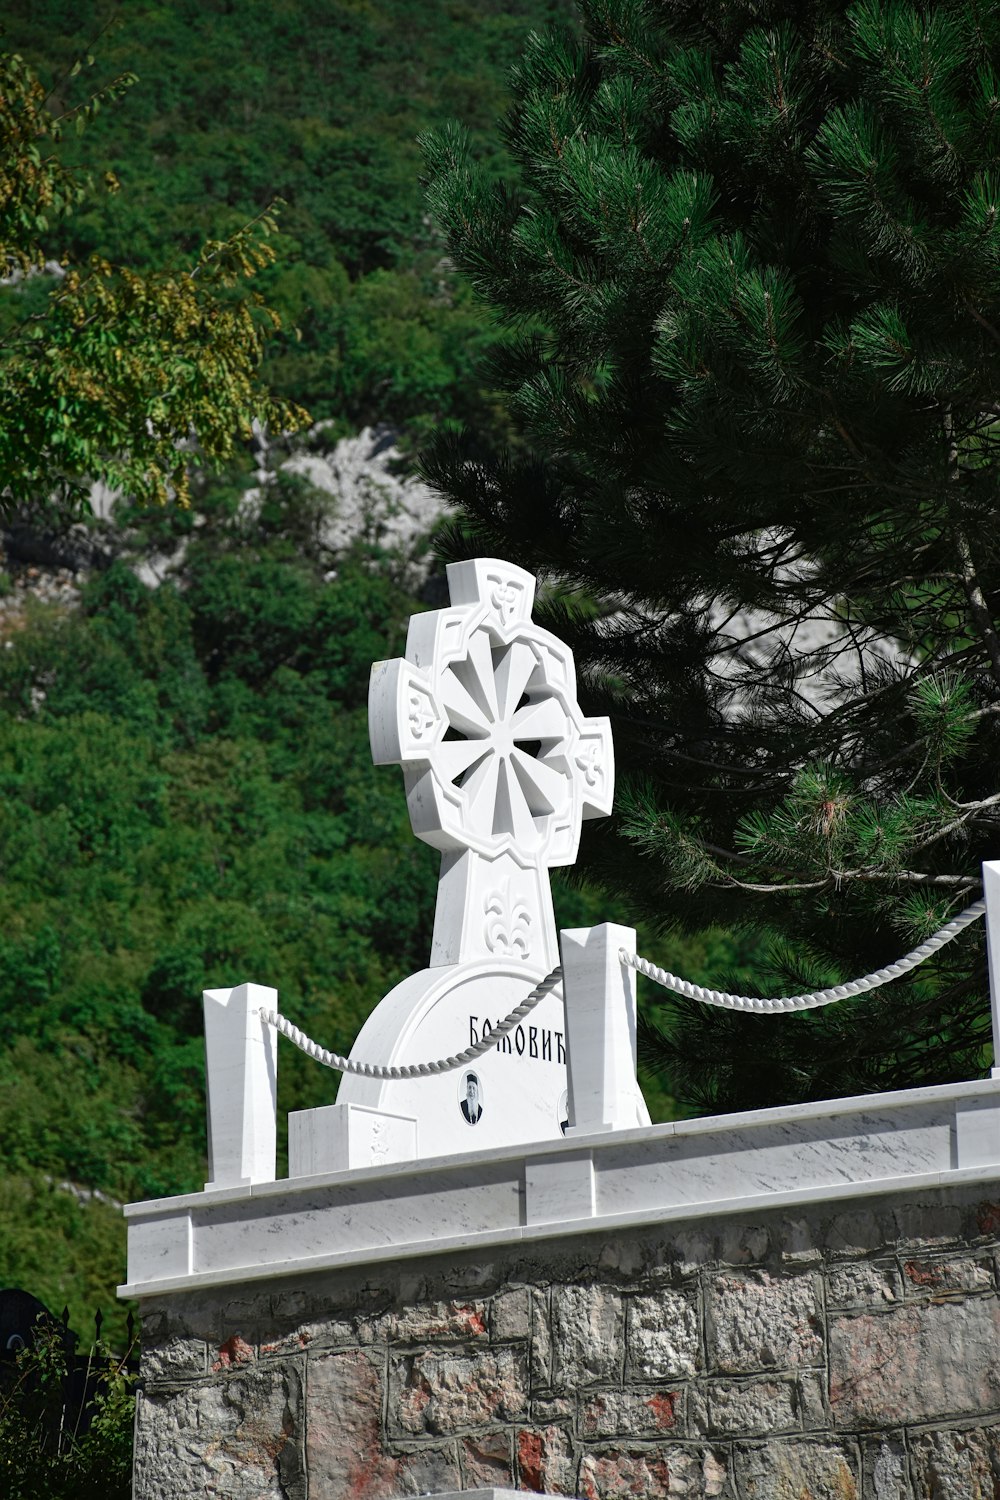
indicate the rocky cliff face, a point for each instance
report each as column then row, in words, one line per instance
column 371, row 497
column 364, row 494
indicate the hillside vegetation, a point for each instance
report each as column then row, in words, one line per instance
column 318, row 105
column 188, row 798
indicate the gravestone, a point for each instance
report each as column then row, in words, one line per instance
column 500, row 767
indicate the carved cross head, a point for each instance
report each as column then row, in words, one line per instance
column 482, row 715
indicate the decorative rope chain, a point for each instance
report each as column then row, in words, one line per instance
column 642, row 966
column 817, row 997
column 413, row 1070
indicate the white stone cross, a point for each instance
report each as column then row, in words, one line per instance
column 499, row 763
column 500, row 768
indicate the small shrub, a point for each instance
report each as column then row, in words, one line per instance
column 65, row 1423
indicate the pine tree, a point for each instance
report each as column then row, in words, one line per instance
column 750, row 257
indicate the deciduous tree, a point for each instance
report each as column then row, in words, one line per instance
column 105, row 372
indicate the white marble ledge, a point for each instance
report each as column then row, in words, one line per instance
column 490, row 1494
column 809, row 1153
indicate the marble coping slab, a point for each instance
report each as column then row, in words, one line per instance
column 489, row 1494
column 806, row 1153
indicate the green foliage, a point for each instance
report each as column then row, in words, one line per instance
column 320, row 107
column 189, row 795
column 62, row 1243
column 188, row 801
column 113, row 371
column 54, row 1443
column 748, row 261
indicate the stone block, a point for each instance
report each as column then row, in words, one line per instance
column 179, row 1319
column 757, row 1322
column 244, row 1314
column 694, row 1249
column 470, row 1274
column 661, row 1473
column 344, row 1447
column 437, row 1322
column 662, row 1336
column 987, row 1219
column 237, row 1334
column 915, row 1363
column 857, row 1232
column 643, row 1474
column 813, row 1407
column 541, row 1339
column 741, row 1244
column 487, row 1461
column 588, row 1336
column 934, row 1221
column 545, row 1461
column 866, row 1283
column 510, row 1315
column 795, row 1240
column 623, row 1257
column 234, row 1352
column 752, row 1408
column 885, row 1471
column 174, row 1359
column 696, row 1409
column 347, row 1457
column 288, row 1304
column 421, row 1471
column 801, row 1470
column 448, row 1393
column 240, row 1438
column 628, row 1414
column 961, row 1462
column 327, row 1333
column 927, row 1276
column 548, row 1409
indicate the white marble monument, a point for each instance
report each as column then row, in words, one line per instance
column 500, row 767
column 546, row 1135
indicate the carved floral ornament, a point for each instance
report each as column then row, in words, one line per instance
column 482, row 715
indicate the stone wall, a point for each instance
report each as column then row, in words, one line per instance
column 843, row 1353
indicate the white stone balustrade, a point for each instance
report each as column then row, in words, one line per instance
column 848, row 1149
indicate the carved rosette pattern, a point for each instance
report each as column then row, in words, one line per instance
column 483, row 716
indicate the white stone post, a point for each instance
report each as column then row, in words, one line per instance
column 991, row 890
column 241, row 1074
column 599, row 994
